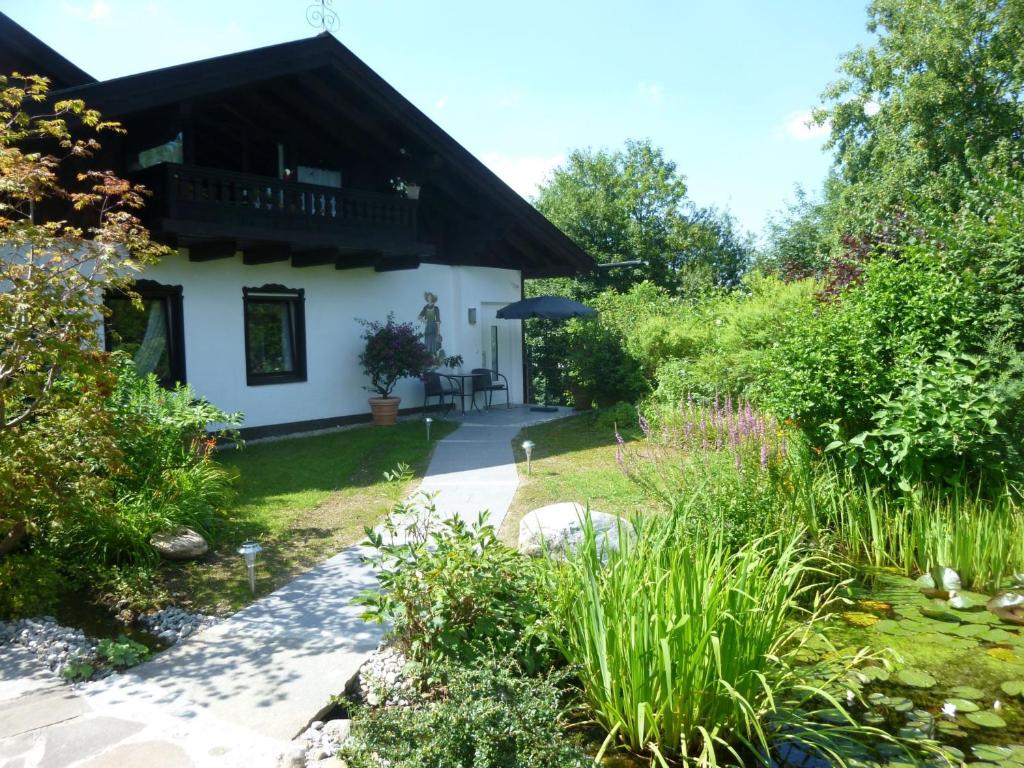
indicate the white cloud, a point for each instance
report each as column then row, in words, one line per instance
column 801, row 127
column 652, row 92
column 100, row 9
column 441, row 103
column 524, row 173
column 872, row 108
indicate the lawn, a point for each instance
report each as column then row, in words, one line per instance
column 574, row 460
column 304, row 499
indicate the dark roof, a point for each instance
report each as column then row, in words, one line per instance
column 23, row 52
column 134, row 93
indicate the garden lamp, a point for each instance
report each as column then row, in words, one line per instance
column 528, row 449
column 249, row 550
column 428, row 421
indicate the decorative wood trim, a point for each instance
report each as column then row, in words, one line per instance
column 266, row 253
column 293, row 296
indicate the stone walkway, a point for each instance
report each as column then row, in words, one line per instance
column 238, row 692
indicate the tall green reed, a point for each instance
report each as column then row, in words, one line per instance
column 683, row 646
column 979, row 535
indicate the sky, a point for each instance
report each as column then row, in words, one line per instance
column 724, row 87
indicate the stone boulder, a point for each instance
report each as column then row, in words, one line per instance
column 179, row 544
column 559, row 529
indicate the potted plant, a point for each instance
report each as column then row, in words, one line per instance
column 393, row 351
column 453, row 362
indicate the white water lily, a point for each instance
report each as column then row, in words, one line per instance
column 949, row 709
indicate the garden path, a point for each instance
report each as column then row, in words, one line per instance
column 235, row 694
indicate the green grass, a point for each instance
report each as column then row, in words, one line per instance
column 304, row 499
column 574, row 461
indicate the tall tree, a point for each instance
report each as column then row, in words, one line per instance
column 938, row 96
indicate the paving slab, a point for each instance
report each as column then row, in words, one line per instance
column 39, row 709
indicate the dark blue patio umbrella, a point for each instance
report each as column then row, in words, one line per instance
column 547, row 307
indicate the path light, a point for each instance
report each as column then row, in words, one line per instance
column 528, row 448
column 249, row 550
column 428, row 421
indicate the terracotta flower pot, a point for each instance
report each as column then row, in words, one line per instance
column 384, row 410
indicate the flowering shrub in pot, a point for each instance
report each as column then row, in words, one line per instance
column 393, row 351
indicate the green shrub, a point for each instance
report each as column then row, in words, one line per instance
column 683, row 647
column 454, row 591
column 122, row 653
column 921, row 350
column 598, row 363
column 487, row 716
column 29, row 583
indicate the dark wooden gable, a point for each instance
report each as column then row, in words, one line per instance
column 23, row 52
column 325, row 99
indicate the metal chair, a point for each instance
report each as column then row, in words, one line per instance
column 487, row 381
column 434, row 385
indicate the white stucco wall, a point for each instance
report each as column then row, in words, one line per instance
column 215, row 340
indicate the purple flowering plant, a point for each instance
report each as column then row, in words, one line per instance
column 726, row 456
column 393, row 351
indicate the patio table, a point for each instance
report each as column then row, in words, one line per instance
column 464, row 389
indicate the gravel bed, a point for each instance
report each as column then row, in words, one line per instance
column 171, row 625
column 54, row 644
column 383, row 680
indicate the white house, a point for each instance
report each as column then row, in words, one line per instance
column 303, row 193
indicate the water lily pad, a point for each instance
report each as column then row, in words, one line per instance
column 969, row 630
column 997, row 636
column 873, row 672
column 986, row 719
column 939, row 612
column 961, row 603
column 900, row 704
column 967, row 692
column 915, row 678
column 991, row 752
column 963, row 705
column 859, row 618
column 1013, row 687
column 1002, row 654
column 889, row 627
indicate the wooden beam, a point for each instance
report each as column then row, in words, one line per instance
column 212, row 250
column 396, row 263
column 315, row 257
column 358, row 259
column 266, row 253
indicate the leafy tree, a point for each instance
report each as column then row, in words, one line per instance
column 631, row 204
column 798, row 238
column 67, row 234
column 935, row 99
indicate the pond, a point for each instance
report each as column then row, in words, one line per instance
column 955, row 675
column 77, row 609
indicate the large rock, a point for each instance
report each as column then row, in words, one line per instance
column 558, row 528
column 179, row 544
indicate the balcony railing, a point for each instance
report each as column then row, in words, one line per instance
column 193, row 193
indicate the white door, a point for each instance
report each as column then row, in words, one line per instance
column 500, row 345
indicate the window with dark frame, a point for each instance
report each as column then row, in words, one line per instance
column 151, row 329
column 275, row 335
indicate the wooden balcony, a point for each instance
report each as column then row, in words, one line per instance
column 196, row 202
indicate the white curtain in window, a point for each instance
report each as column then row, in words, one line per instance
column 287, row 350
column 154, row 342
